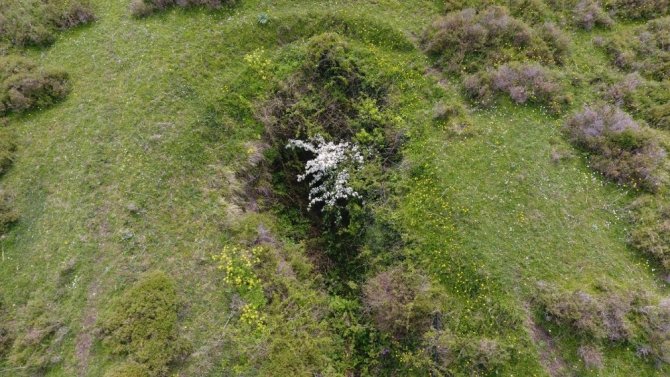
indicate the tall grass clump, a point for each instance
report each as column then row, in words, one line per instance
column 522, row 82
column 619, row 148
column 468, row 40
column 34, row 22
column 143, row 8
column 24, row 86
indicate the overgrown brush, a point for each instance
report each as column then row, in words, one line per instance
column 469, row 40
column 619, row 148
column 651, row 229
column 647, row 51
column 24, row 86
column 650, row 100
column 143, row 8
column 34, row 22
column 523, row 83
column 141, row 325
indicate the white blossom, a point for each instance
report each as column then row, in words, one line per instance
column 329, row 169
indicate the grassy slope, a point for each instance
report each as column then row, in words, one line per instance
column 130, row 134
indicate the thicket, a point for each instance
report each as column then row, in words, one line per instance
column 34, row 22
column 646, row 51
column 24, row 86
column 141, row 326
column 629, row 318
column 522, row 82
column 143, row 8
column 469, row 40
column 619, row 148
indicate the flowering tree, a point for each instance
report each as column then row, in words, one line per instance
column 329, row 169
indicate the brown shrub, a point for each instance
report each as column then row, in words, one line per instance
column 619, row 148
column 399, row 301
column 467, row 40
column 24, row 87
column 591, row 356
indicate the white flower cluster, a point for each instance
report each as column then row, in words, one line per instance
column 328, row 169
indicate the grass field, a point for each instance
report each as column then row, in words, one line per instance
column 131, row 174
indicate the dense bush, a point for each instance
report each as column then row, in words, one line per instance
column 656, row 324
column 24, row 87
column 639, row 9
column 619, row 148
column 650, row 100
column 34, row 22
column 468, row 40
column 647, row 51
column 651, row 229
column 522, row 83
column 142, row 324
column 142, row 8
column 589, row 14
column 472, row 353
column 8, row 215
column 400, row 302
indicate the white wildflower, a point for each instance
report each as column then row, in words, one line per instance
column 328, row 169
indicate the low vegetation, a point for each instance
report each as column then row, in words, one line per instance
column 143, row 8
column 24, row 86
column 620, row 148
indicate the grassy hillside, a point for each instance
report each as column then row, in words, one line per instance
column 145, row 167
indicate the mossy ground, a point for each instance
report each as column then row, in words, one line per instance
column 126, row 176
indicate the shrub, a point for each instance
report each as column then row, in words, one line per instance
column 471, row 353
column 521, row 82
column 588, row 14
column 650, row 100
column 647, row 51
column 591, row 356
column 656, row 324
column 24, row 87
column 128, row 369
column 7, row 149
column 651, row 229
column 143, row 8
column 400, row 302
column 142, row 324
column 8, row 215
column 34, row 22
column 639, row 9
column 619, row 148
column 467, row 40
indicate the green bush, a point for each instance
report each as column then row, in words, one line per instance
column 476, row 354
column 142, row 325
column 128, row 369
column 650, row 100
column 651, row 229
column 7, row 149
column 24, row 87
column 34, row 22
column 8, row 215
column 468, row 40
column 639, row 9
column 619, row 148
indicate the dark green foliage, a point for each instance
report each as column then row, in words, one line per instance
column 400, row 302
column 651, row 229
column 24, row 87
column 7, row 149
column 142, row 324
column 143, row 8
column 646, row 51
column 34, row 22
column 619, row 148
column 523, row 83
column 8, row 215
column 469, row 40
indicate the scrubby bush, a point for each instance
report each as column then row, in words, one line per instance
column 521, row 82
column 647, row 51
column 142, row 324
column 34, row 22
column 468, row 40
column 400, row 302
column 591, row 357
column 7, row 149
column 589, row 14
column 656, row 324
column 128, row 369
column 143, row 8
column 639, row 9
column 650, row 100
column 651, row 229
column 618, row 147
column 24, row 87
column 471, row 353
column 8, row 215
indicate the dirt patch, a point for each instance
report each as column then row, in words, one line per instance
column 84, row 339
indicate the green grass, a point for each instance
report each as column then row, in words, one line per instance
column 124, row 176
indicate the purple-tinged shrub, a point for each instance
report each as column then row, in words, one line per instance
column 24, row 87
column 589, row 14
column 619, row 148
